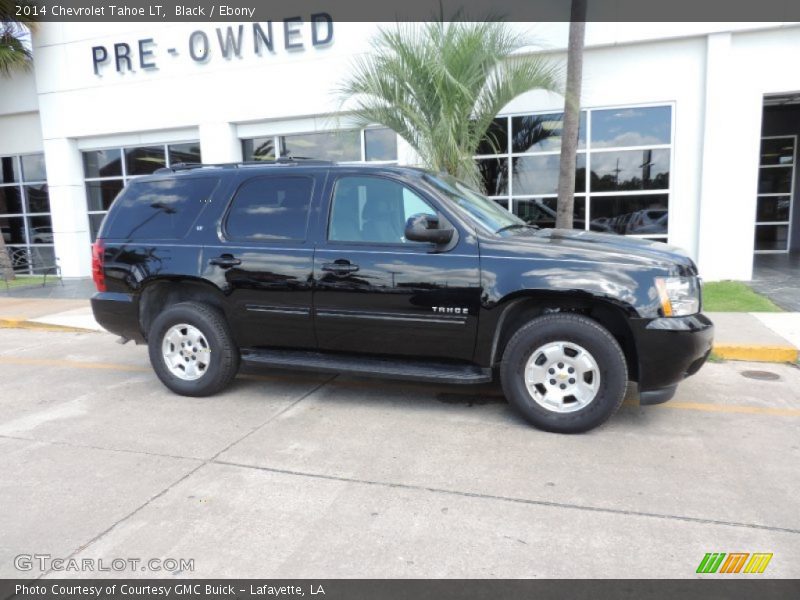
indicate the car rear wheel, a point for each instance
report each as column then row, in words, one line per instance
column 192, row 350
column 564, row 373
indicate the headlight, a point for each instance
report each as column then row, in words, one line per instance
column 680, row 296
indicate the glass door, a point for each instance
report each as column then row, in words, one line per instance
column 776, row 175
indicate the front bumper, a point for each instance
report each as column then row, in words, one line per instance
column 669, row 350
column 118, row 313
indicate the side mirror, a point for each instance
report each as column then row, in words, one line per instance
column 425, row 228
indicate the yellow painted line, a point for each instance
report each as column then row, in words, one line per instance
column 69, row 364
column 22, row 323
column 756, row 353
column 731, row 408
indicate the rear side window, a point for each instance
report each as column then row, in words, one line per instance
column 270, row 208
column 158, row 209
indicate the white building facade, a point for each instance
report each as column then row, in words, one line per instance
column 689, row 131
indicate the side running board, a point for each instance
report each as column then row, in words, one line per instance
column 367, row 366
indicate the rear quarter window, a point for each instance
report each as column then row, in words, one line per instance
column 164, row 209
column 273, row 208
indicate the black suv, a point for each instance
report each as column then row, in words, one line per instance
column 394, row 272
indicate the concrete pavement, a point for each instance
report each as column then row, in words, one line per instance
column 296, row 475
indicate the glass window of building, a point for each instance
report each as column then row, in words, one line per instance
column 25, row 220
column 373, row 144
column 622, row 179
column 106, row 171
column 776, row 176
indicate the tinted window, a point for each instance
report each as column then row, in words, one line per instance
column 33, row 167
column 372, row 209
column 535, row 133
column 496, row 139
column 143, row 160
column 380, row 144
column 100, row 194
column 647, row 214
column 270, row 208
column 184, row 153
column 631, row 127
column 344, row 145
column 8, row 169
column 534, row 175
column 259, row 148
column 630, row 170
column 158, row 209
column 102, row 163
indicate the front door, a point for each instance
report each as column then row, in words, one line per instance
column 375, row 292
column 264, row 259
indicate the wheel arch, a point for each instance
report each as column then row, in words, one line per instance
column 158, row 294
column 518, row 309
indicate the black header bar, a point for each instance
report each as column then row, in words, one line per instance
column 407, row 10
column 717, row 587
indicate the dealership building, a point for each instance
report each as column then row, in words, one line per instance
column 689, row 131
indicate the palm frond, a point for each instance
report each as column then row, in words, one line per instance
column 14, row 53
column 439, row 86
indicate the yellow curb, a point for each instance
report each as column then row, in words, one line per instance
column 756, row 353
column 6, row 323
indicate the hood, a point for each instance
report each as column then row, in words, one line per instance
column 604, row 247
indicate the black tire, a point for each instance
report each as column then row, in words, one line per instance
column 574, row 329
column 223, row 360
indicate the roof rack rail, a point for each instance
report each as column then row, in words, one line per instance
column 283, row 160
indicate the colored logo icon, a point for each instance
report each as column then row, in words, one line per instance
column 734, row 562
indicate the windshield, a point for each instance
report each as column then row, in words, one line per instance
column 478, row 208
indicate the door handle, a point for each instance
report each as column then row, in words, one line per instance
column 340, row 268
column 226, row 261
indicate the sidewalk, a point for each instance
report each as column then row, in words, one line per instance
column 761, row 337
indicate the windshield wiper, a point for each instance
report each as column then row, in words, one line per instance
column 517, row 226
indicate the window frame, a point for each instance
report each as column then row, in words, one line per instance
column 361, row 138
column 223, row 226
column 25, row 214
column 507, row 200
column 790, row 195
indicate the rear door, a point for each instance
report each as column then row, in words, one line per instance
column 376, row 292
column 263, row 259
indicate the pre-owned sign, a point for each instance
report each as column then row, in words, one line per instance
column 230, row 42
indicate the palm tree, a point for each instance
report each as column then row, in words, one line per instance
column 572, row 112
column 440, row 85
column 15, row 55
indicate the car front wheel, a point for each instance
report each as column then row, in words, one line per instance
column 564, row 373
column 191, row 349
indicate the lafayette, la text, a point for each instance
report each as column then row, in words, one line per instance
column 177, row 589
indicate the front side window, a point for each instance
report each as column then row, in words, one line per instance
column 373, row 209
column 158, row 209
column 270, row 209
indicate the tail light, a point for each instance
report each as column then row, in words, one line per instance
column 98, row 274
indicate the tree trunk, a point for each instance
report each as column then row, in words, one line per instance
column 6, row 271
column 572, row 113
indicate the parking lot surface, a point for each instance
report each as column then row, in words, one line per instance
column 299, row 475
